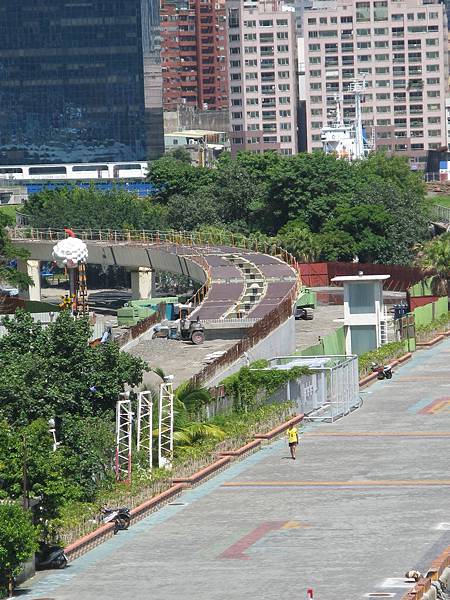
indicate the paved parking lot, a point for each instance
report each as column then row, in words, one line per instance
column 367, row 500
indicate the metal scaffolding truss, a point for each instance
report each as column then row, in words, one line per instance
column 124, row 425
column 165, row 424
column 145, row 425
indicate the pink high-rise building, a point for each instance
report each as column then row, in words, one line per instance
column 400, row 48
column 262, row 76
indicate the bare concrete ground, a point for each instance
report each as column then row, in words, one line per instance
column 307, row 333
column 180, row 359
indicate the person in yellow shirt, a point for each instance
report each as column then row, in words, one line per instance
column 292, row 435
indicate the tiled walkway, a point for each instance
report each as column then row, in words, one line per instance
column 367, row 499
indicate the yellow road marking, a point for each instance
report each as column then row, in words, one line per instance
column 379, row 434
column 363, row 482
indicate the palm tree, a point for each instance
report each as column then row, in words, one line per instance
column 193, row 433
column 434, row 258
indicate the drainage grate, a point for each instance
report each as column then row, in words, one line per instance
column 177, row 503
column 380, row 595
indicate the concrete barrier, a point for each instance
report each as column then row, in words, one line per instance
column 273, row 433
column 243, row 450
column 432, row 342
column 439, row 571
column 373, row 376
column 200, row 476
column 104, row 532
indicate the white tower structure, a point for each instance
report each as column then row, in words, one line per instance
column 124, row 424
column 165, row 423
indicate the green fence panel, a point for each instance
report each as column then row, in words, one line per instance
column 424, row 315
column 334, row 343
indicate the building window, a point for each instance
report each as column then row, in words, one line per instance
column 266, row 23
column 235, row 89
column 283, row 61
column 282, row 22
column 315, row 73
column 328, row 33
column 251, row 76
column 434, row 120
column 286, row 126
column 236, row 115
column 383, row 122
column 283, row 48
column 380, row 11
column 251, row 62
column 432, row 42
column 346, row 19
column 287, row 113
column 381, row 56
column 434, row 132
column 284, row 100
column 250, row 37
column 253, row 114
column 431, row 68
column 249, row 24
column 250, row 49
column 382, row 70
column 234, row 64
column 363, row 32
column 433, row 106
column 314, row 47
column 382, row 44
column 323, row 21
column 362, row 11
column 433, row 81
column 315, row 86
column 381, row 31
column 316, row 125
column 433, row 94
column 284, row 35
column 312, row 21
column 252, row 101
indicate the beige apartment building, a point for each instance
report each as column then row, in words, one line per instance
column 400, row 48
column 262, row 76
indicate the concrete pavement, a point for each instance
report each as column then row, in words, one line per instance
column 367, row 499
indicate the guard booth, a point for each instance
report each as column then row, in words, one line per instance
column 365, row 317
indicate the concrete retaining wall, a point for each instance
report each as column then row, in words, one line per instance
column 280, row 342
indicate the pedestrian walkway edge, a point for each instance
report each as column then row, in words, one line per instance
column 103, row 533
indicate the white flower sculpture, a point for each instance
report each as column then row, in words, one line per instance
column 70, row 252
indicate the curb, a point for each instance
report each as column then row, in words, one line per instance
column 373, row 376
column 435, row 572
column 104, row 532
column 204, row 473
column 432, row 342
column 278, row 430
column 240, row 452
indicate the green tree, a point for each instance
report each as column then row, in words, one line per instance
column 53, row 371
column 8, row 253
column 296, row 238
column 434, row 258
column 181, row 154
column 18, row 541
column 356, row 231
column 192, row 211
column 172, row 176
column 81, row 208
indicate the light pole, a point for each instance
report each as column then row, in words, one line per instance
column 52, row 431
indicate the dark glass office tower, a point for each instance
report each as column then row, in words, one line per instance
column 80, row 81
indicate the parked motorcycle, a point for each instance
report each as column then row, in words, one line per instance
column 382, row 371
column 121, row 517
column 50, row 557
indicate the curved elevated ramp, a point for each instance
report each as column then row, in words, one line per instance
column 238, row 283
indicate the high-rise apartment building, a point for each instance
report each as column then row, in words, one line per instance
column 400, row 48
column 194, row 54
column 263, row 76
column 80, row 81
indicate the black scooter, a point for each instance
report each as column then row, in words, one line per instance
column 50, row 557
column 121, row 517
